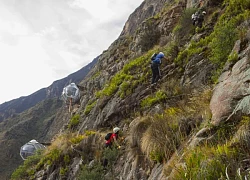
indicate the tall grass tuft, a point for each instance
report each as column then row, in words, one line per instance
column 138, row 128
column 161, row 139
column 205, row 162
column 241, row 137
column 159, row 136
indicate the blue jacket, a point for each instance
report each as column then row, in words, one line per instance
column 158, row 59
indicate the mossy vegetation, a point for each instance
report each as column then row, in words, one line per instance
column 59, row 153
column 151, row 100
column 27, row 169
column 150, row 35
column 218, row 45
column 89, row 132
column 97, row 74
column 96, row 172
column 89, row 107
column 74, row 121
column 161, row 135
column 184, row 29
column 233, row 57
column 220, row 158
column 125, row 81
column 222, row 43
column 218, row 162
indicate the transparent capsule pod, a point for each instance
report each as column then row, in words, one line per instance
column 29, row 149
column 71, row 94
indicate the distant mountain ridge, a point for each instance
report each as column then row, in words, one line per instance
column 15, row 106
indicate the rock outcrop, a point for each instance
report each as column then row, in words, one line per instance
column 231, row 94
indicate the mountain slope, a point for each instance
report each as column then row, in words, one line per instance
column 193, row 124
column 40, row 122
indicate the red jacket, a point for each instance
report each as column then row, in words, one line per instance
column 111, row 139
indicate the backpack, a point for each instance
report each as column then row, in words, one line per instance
column 153, row 56
column 107, row 137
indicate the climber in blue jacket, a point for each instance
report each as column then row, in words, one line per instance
column 155, row 66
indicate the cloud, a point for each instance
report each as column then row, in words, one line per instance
column 45, row 40
column 100, row 10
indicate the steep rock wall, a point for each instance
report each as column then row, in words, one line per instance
column 231, row 94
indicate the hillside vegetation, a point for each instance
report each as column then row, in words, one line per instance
column 194, row 124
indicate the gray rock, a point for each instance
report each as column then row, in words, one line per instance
column 156, row 172
column 197, row 72
column 231, row 93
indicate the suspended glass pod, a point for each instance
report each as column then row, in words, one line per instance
column 71, row 94
column 29, row 149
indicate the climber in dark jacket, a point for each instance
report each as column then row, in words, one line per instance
column 155, row 67
column 198, row 18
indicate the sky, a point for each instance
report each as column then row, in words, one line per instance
column 45, row 40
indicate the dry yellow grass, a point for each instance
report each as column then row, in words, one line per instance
column 241, row 137
column 140, row 125
column 161, row 135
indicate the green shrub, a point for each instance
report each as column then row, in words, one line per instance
column 74, row 121
column 28, row 168
column 181, row 58
column 59, row 153
column 173, row 111
column 97, row 74
column 89, row 107
column 161, row 138
column 89, row 132
column 240, row 138
column 185, row 28
column 151, row 100
column 135, row 72
column 91, row 173
column 236, row 7
column 54, row 155
column 222, row 43
column 215, row 2
column 200, row 29
column 125, row 89
column 63, row 171
column 172, row 50
column 66, row 159
column 150, row 35
column 20, row 173
column 157, row 156
column 225, row 32
column 77, row 139
column 111, row 154
column 209, row 163
column 215, row 75
column 233, row 57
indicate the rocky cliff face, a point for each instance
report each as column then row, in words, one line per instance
column 113, row 109
column 145, row 10
column 193, row 124
column 231, row 94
